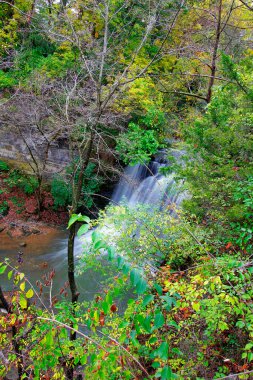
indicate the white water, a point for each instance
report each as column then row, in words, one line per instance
column 142, row 184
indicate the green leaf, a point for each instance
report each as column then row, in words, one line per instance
column 95, row 236
column 30, row 293
column 83, row 229
column 84, row 218
column 135, row 276
column 159, row 321
column 83, row 360
column 248, row 346
column 111, row 253
column 156, row 365
column 126, row 268
column 121, row 262
column 73, row 219
column 145, row 322
column 147, row 300
column 141, row 286
column 169, row 301
column 196, row 306
column 105, row 307
column 240, row 324
column 159, row 289
column 3, row 269
column 10, row 274
column 78, row 218
column 167, row 374
column 134, row 341
column 162, row 351
column 23, row 302
column 99, row 245
column 174, row 324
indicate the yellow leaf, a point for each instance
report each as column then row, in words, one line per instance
column 196, row 306
column 22, row 286
column 30, row 293
column 23, row 303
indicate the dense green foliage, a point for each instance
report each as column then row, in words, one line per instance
column 18, row 179
column 115, row 81
column 61, row 189
column 220, row 175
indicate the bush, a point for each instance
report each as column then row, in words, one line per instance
column 4, row 208
column 137, row 145
column 26, row 183
column 4, row 167
column 61, row 192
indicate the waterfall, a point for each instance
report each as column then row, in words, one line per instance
column 141, row 184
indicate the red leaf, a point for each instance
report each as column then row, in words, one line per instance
column 113, row 308
column 102, row 319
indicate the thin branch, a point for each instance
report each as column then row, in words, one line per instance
column 185, row 94
column 234, row 375
column 54, row 321
column 246, row 5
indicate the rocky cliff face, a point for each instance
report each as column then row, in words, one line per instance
column 15, row 150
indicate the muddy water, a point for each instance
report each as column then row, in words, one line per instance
column 42, row 253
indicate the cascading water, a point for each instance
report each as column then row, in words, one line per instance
column 146, row 185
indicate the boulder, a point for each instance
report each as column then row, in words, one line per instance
column 35, row 231
column 26, row 230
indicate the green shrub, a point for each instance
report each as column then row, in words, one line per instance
column 4, row 167
column 4, row 208
column 137, row 145
column 61, row 189
column 19, row 203
column 26, row 183
column 61, row 192
column 7, row 80
column 91, row 185
column 242, row 227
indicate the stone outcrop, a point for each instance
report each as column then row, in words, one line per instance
column 14, row 150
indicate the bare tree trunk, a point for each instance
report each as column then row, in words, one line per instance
column 39, row 194
column 215, row 54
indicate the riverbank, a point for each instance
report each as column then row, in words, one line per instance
column 20, row 219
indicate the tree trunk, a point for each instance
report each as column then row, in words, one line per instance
column 215, row 54
column 71, row 238
column 71, row 270
column 39, row 195
column 69, row 372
